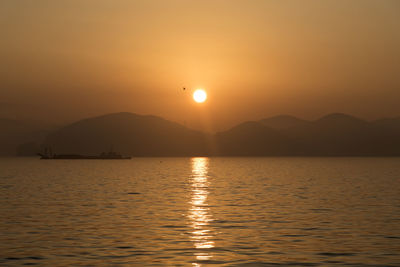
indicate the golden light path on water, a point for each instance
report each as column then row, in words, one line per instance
column 199, row 211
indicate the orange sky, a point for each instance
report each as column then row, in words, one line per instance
column 64, row 60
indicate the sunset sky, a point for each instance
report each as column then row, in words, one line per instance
column 66, row 60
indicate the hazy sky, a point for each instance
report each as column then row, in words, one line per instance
column 64, row 60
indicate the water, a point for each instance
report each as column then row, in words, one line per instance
column 200, row 211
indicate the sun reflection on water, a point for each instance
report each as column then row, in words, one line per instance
column 199, row 211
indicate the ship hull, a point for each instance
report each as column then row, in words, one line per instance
column 81, row 157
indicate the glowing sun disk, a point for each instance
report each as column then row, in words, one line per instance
column 200, row 96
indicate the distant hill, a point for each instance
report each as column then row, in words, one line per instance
column 335, row 134
column 138, row 135
column 337, row 121
column 253, row 139
column 340, row 134
column 14, row 133
column 129, row 134
column 388, row 124
column 283, row 122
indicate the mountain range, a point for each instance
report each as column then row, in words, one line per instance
column 139, row 135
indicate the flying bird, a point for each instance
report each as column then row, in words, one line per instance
column 184, row 88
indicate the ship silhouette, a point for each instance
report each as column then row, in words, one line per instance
column 48, row 154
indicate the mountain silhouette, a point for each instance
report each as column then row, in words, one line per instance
column 252, row 139
column 145, row 135
column 340, row 120
column 130, row 134
column 335, row 134
column 344, row 135
column 389, row 124
column 332, row 135
column 283, row 122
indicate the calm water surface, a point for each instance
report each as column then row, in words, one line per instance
column 200, row 211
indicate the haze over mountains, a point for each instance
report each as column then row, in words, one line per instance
column 137, row 135
column 22, row 137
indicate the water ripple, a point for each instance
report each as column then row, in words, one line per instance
column 200, row 211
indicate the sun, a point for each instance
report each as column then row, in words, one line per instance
column 200, row 96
